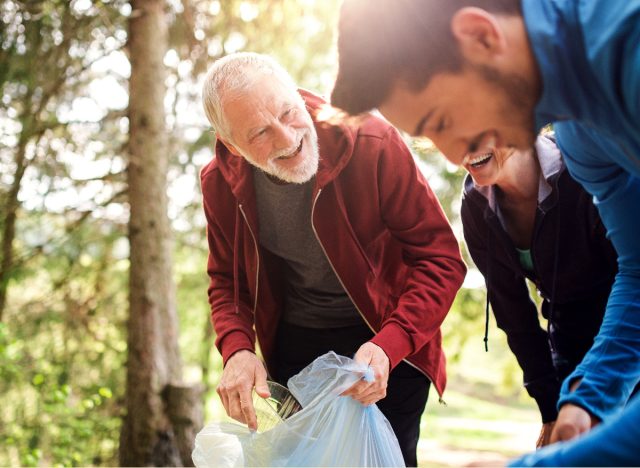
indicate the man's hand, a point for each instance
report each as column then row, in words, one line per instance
column 242, row 372
column 368, row 393
column 545, row 434
column 572, row 421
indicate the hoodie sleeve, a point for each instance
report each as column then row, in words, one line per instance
column 231, row 314
column 612, row 443
column 515, row 312
column 415, row 218
column 611, row 369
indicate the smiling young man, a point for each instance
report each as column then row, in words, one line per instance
column 322, row 237
column 481, row 74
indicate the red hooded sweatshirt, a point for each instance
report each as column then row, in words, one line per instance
column 377, row 220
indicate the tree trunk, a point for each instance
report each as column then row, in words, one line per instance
column 148, row 437
column 10, row 214
column 184, row 407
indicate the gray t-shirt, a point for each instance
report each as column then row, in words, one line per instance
column 314, row 296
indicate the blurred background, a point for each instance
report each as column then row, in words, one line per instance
column 83, row 304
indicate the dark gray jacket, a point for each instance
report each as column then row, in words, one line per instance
column 574, row 268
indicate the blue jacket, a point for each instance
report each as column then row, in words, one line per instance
column 593, row 46
column 613, row 443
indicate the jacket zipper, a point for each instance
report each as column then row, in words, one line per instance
column 536, row 230
column 255, row 245
column 313, row 207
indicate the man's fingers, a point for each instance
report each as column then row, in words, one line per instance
column 235, row 409
column 572, row 421
column 371, row 396
column 249, row 412
column 370, row 401
column 354, row 389
column 358, row 387
column 564, row 432
column 363, row 356
column 224, row 397
column 367, row 393
column 262, row 388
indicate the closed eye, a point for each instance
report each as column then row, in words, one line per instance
column 258, row 133
column 287, row 114
column 441, row 126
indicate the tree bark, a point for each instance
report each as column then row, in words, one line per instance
column 10, row 214
column 148, row 437
column 184, row 407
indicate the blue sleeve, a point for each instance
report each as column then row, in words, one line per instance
column 611, row 368
column 613, row 443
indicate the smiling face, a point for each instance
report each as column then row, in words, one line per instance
column 468, row 112
column 490, row 166
column 271, row 128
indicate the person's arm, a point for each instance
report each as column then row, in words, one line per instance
column 515, row 314
column 232, row 322
column 611, row 368
column 613, row 443
column 231, row 314
column 413, row 215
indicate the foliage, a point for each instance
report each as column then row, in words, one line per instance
column 62, row 347
column 63, row 81
column 61, row 358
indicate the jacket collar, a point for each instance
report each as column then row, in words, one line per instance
column 335, row 140
column 551, row 164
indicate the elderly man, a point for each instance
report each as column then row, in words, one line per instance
column 473, row 75
column 322, row 237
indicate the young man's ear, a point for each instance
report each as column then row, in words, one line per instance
column 232, row 149
column 479, row 35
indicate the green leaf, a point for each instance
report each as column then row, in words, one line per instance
column 38, row 380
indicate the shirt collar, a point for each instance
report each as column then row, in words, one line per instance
column 550, row 164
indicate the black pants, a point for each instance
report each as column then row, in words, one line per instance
column 407, row 390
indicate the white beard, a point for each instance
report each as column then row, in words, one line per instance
column 301, row 173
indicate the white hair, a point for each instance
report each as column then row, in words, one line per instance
column 232, row 74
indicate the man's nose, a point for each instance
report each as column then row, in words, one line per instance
column 286, row 137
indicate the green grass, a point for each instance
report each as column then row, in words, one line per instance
column 488, row 416
column 473, row 426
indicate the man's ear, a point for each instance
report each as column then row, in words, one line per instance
column 232, row 149
column 479, row 35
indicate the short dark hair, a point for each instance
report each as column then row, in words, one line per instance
column 381, row 42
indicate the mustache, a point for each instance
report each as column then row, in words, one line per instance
column 287, row 151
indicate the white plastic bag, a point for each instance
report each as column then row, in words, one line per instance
column 330, row 430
